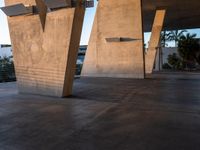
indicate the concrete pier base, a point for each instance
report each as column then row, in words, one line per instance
column 116, row 44
column 45, row 61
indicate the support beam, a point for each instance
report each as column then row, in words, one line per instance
column 73, row 49
column 158, row 59
column 154, row 40
column 42, row 10
column 45, row 61
column 116, row 43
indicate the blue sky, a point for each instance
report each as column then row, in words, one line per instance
column 4, row 33
column 88, row 22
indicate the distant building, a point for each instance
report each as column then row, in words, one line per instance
column 166, row 51
column 81, row 54
column 162, row 56
column 80, row 59
column 5, row 50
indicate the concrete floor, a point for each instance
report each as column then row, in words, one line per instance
column 161, row 113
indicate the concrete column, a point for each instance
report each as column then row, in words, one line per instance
column 116, row 44
column 154, row 40
column 45, row 61
column 158, row 59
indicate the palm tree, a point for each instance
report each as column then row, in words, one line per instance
column 175, row 35
column 188, row 48
column 164, row 37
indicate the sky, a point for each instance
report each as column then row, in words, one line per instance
column 87, row 27
column 4, row 32
column 88, row 22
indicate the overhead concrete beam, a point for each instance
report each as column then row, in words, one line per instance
column 154, row 40
column 42, row 9
column 45, row 61
column 181, row 14
column 116, row 44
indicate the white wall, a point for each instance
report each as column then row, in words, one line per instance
column 166, row 51
column 162, row 59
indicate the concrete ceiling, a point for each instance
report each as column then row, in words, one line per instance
column 181, row 14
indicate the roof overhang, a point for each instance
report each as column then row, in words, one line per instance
column 181, row 14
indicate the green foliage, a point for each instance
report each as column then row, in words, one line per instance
column 189, row 48
column 189, row 52
column 164, row 37
column 175, row 62
column 7, row 72
column 175, row 35
column 171, row 36
column 166, row 66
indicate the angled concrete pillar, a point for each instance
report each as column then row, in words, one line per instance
column 158, row 59
column 154, row 40
column 45, row 61
column 116, row 44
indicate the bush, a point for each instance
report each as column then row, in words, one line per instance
column 166, row 66
column 7, row 72
column 189, row 50
column 175, row 62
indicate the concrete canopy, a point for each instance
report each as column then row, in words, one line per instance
column 181, row 14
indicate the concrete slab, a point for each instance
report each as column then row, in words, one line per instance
column 181, row 14
column 159, row 113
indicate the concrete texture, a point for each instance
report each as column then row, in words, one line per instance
column 161, row 113
column 150, row 55
column 42, row 11
column 45, row 61
column 116, row 19
column 181, row 14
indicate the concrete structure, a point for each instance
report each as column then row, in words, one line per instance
column 117, row 57
column 46, row 44
column 150, row 55
column 181, row 14
column 45, row 54
column 116, row 44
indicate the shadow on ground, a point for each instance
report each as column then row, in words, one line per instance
column 158, row 113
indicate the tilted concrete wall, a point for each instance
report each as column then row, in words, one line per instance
column 154, row 41
column 116, row 18
column 45, row 61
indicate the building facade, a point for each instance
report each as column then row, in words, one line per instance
column 5, row 50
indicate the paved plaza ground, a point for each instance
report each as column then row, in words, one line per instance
column 158, row 113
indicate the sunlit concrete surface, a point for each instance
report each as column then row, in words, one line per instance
column 118, row 59
column 154, row 42
column 45, row 56
column 158, row 113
